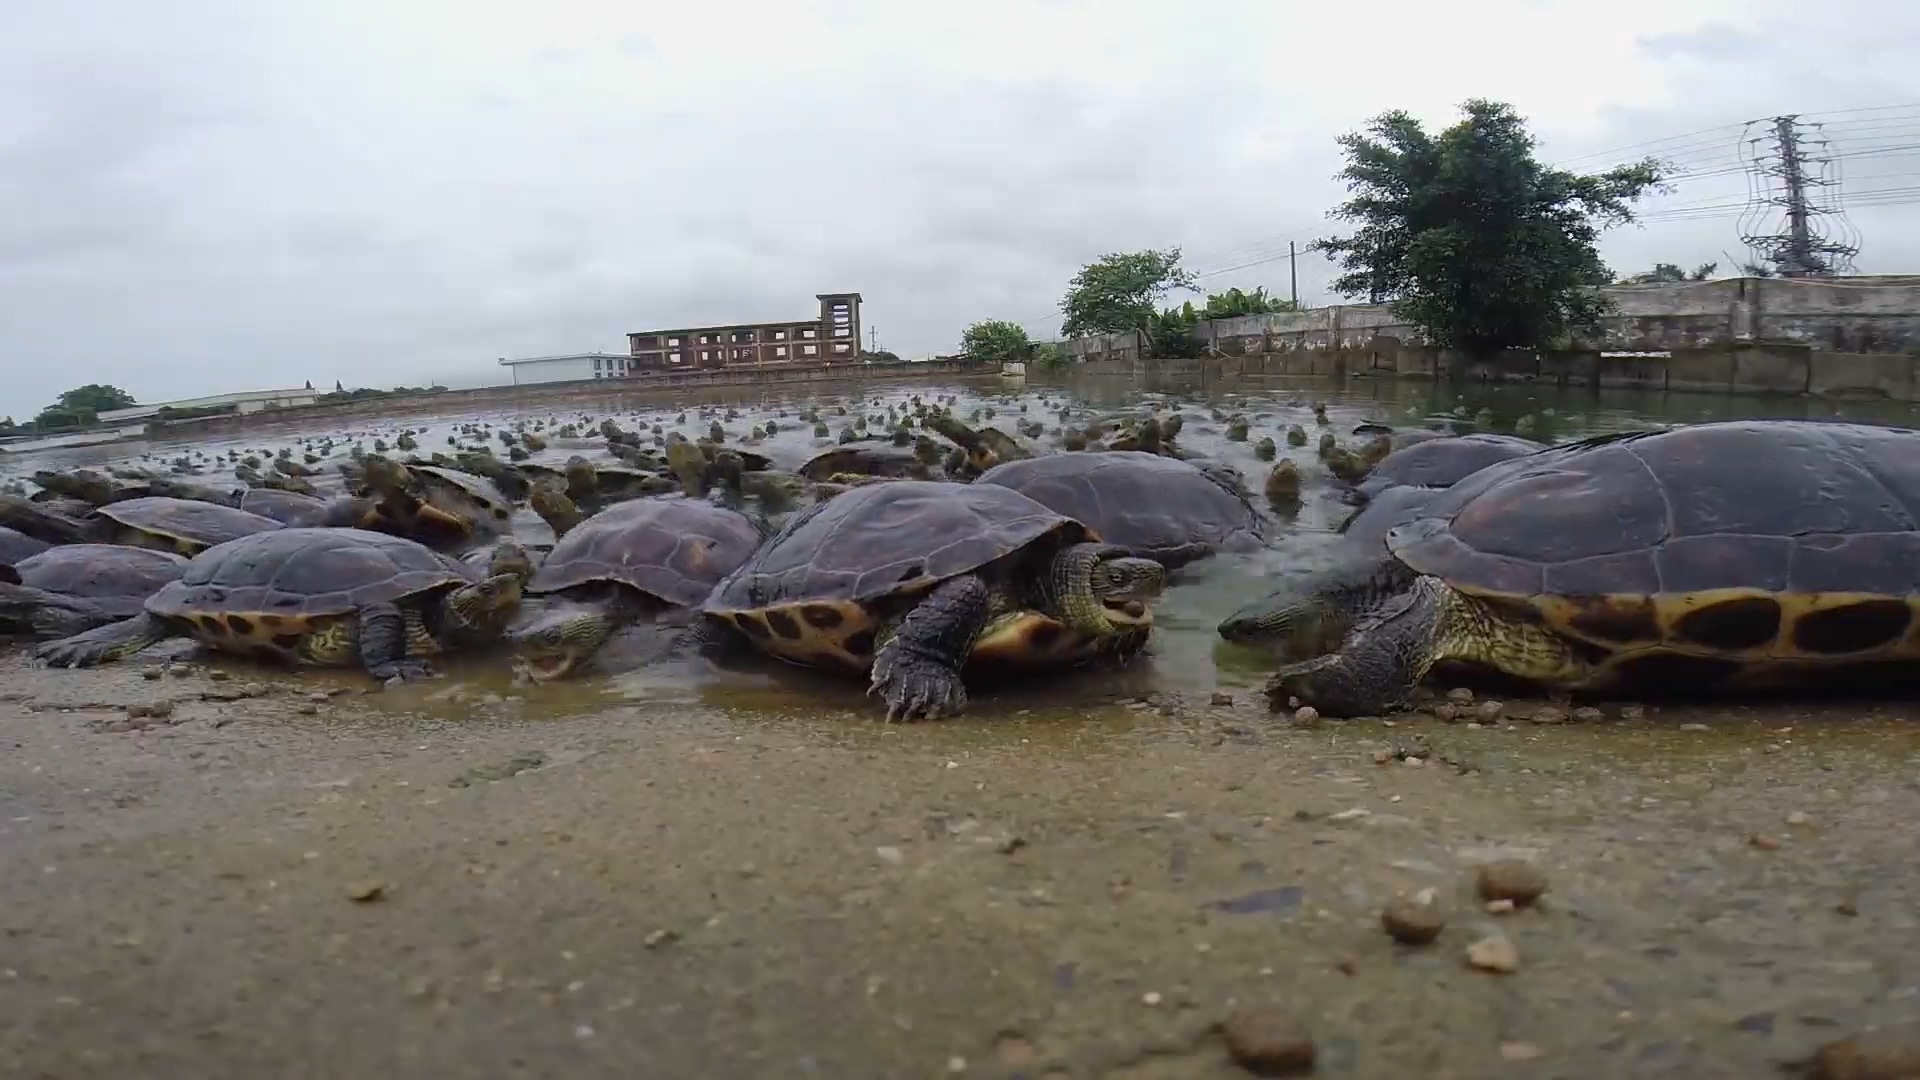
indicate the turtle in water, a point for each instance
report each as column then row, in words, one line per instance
column 1162, row 508
column 1442, row 462
column 328, row 597
column 1720, row 555
column 626, row 563
column 463, row 495
column 75, row 587
column 285, row 507
column 910, row 580
column 184, row 526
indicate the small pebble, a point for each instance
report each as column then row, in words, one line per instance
column 152, row 672
column 1348, row 965
column 1268, row 1042
column 1306, row 714
column 319, row 697
column 1875, row 1054
column 1798, row 817
column 1495, row 953
column 1460, row 695
column 1221, row 697
column 1150, row 999
column 1695, row 727
column 1382, row 757
column 1499, row 907
column 1587, row 714
column 219, row 676
column 1511, row 879
column 657, row 938
column 889, row 854
column 1633, row 712
column 1519, row 1051
column 1446, row 713
column 306, row 708
column 1763, row 842
column 1849, row 905
column 1489, row 711
column 367, row 892
column 1411, row 923
column 1550, row 714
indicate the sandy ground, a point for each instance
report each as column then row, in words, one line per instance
column 434, row 882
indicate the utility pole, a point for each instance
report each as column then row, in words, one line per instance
column 873, row 339
column 1799, row 260
column 1293, row 275
column 1802, row 246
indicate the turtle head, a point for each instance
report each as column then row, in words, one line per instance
column 582, row 480
column 483, row 609
column 384, row 476
column 1310, row 615
column 1100, row 589
column 550, row 500
column 510, row 558
column 562, row 641
column 1126, row 584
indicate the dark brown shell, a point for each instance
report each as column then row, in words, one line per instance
column 481, row 491
column 1775, row 506
column 673, row 549
column 1445, row 461
column 119, row 579
column 887, row 539
column 1147, row 502
column 300, row 574
column 286, row 507
column 189, row 519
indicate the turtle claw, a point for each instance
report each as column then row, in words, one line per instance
column 397, row 672
column 916, row 689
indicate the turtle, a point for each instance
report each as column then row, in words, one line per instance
column 463, row 495
column 390, row 503
column 1161, row 508
column 866, row 457
column 1720, row 555
column 286, row 507
column 1442, row 462
column 186, row 526
column 16, row 545
column 75, row 587
column 626, row 563
column 329, row 597
column 908, row 581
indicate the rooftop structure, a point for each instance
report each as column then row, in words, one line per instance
column 567, row 367
column 832, row 337
column 246, row 401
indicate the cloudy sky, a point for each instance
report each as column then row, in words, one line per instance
column 200, row 196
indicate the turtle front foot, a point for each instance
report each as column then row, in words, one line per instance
column 916, row 687
column 1325, row 684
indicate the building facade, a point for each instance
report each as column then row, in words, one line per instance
column 246, row 401
column 831, row 338
column 567, row 367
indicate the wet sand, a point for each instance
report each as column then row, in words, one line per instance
column 688, row 888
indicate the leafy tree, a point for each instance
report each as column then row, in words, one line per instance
column 1170, row 334
column 1670, row 273
column 60, row 417
column 995, row 340
column 1049, row 357
column 1233, row 302
column 1121, row 291
column 96, row 398
column 1754, row 269
column 881, row 356
column 1469, row 236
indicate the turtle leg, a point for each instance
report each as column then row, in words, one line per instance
column 715, row 639
column 115, row 641
column 383, row 644
column 1385, row 655
column 917, row 671
column 1313, row 612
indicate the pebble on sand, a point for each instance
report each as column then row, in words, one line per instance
column 1511, row 879
column 1460, row 695
column 1495, row 953
column 1221, row 697
column 1411, row 923
column 366, row 892
column 1268, row 1042
column 1875, row 1054
column 1306, row 714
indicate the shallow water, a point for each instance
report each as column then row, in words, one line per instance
column 1186, row 653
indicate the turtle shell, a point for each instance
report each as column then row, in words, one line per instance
column 479, row 490
column 1443, row 461
column 16, row 545
column 286, row 507
column 817, row 592
column 268, row 588
column 1746, row 541
column 673, row 549
column 1159, row 506
column 119, row 579
column 188, row 525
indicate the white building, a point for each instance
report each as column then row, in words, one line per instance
column 569, row 367
column 244, row 402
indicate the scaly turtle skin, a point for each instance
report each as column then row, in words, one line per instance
column 629, row 562
column 327, row 597
column 910, row 580
column 1726, row 554
column 1161, row 508
column 1442, row 462
column 76, row 587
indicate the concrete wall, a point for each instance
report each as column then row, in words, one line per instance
column 557, row 369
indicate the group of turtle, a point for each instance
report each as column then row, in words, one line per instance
column 1718, row 556
column 999, row 558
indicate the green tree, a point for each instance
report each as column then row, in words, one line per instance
column 60, row 418
column 995, row 340
column 1470, row 237
column 96, row 398
column 1233, row 302
column 1121, row 291
column 1670, row 273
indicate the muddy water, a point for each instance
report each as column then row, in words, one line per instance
column 692, row 872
